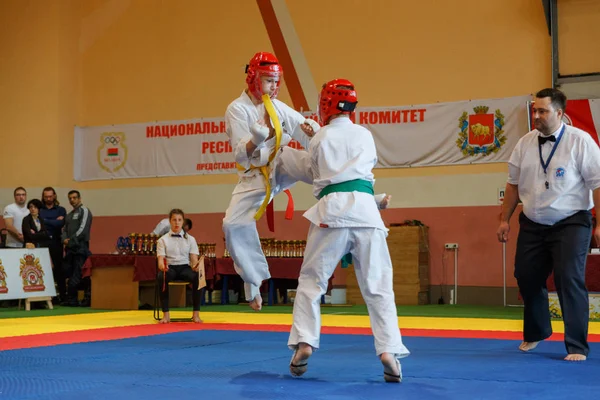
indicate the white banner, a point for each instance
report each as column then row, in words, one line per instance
column 465, row 132
column 142, row 150
column 478, row 131
column 25, row 273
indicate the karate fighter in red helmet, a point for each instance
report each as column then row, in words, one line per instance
column 259, row 128
column 346, row 219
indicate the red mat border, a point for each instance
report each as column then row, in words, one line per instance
column 125, row 332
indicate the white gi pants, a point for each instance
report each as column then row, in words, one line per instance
column 239, row 225
column 373, row 267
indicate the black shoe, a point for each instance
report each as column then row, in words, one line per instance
column 70, row 303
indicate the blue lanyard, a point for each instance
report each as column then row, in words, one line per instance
column 547, row 163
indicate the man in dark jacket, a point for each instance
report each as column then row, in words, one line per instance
column 54, row 219
column 76, row 239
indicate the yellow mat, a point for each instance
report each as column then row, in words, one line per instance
column 10, row 327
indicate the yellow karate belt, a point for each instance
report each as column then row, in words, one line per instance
column 264, row 170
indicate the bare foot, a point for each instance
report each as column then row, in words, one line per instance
column 256, row 303
column 526, row 346
column 166, row 318
column 392, row 372
column 299, row 362
column 196, row 317
column 575, row 357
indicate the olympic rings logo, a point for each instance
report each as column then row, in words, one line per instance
column 112, row 140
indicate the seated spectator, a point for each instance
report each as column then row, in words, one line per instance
column 178, row 259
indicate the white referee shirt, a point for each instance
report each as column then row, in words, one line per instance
column 573, row 172
column 177, row 248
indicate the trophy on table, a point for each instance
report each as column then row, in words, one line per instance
column 153, row 240
column 294, row 248
column 139, row 246
column 226, row 252
column 122, row 245
column 145, row 241
column 132, row 243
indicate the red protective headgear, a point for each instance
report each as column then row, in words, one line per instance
column 337, row 97
column 262, row 64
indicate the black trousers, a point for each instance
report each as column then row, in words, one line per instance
column 562, row 247
column 178, row 273
column 73, row 263
column 56, row 255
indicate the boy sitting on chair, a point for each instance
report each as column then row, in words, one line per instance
column 178, row 259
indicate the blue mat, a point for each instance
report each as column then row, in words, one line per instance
column 224, row 365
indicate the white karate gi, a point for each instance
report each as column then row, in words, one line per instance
column 341, row 223
column 288, row 167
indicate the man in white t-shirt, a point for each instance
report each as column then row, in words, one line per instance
column 13, row 218
column 555, row 171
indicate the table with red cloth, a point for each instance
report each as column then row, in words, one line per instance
column 115, row 278
column 592, row 275
column 280, row 268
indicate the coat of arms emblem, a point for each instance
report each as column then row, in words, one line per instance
column 3, row 286
column 481, row 133
column 32, row 274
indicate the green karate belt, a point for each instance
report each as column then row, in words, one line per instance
column 356, row 185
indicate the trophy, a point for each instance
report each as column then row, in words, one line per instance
column 149, row 250
column 122, row 245
column 294, row 248
column 139, row 243
column 145, row 249
column 132, row 242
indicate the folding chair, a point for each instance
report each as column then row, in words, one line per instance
column 157, row 303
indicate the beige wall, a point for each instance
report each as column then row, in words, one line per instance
column 99, row 62
column 120, row 61
column 29, row 84
column 578, row 36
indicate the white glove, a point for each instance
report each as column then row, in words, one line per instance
column 383, row 200
column 314, row 125
column 259, row 132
